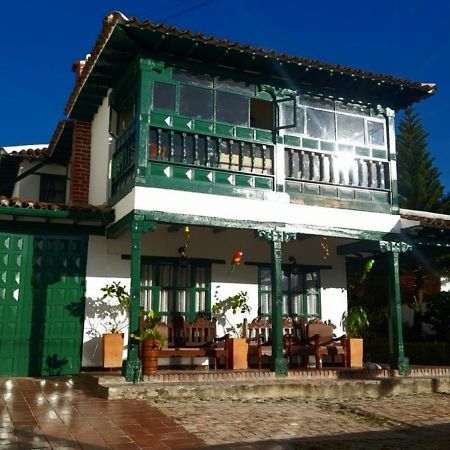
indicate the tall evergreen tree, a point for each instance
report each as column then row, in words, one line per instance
column 419, row 184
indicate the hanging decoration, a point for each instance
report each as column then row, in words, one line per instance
column 325, row 249
column 235, row 261
column 182, row 251
column 367, row 268
column 187, row 233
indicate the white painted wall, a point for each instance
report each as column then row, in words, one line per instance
column 105, row 264
column 298, row 217
column 28, row 187
column 100, row 148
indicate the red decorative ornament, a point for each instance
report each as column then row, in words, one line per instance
column 236, row 260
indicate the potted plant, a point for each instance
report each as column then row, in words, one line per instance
column 237, row 341
column 354, row 322
column 151, row 339
column 113, row 310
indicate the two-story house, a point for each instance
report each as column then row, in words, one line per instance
column 193, row 148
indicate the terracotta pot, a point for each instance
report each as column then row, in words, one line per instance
column 112, row 350
column 149, row 357
column 238, row 353
column 354, row 352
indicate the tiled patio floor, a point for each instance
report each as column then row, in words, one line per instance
column 58, row 413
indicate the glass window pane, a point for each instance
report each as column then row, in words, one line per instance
column 266, row 303
column 196, row 102
column 187, row 77
column 320, row 124
column 360, row 110
column 375, row 132
column 164, row 96
column 266, row 280
column 182, row 299
column 200, row 302
column 235, row 86
column 166, row 275
column 287, row 118
column 285, row 308
column 350, row 129
column 322, row 103
column 201, row 150
column 232, row 108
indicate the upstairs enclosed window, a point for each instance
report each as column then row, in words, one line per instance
column 211, row 98
column 333, row 121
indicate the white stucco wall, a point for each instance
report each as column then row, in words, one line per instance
column 28, row 187
column 99, row 175
column 105, row 264
column 302, row 218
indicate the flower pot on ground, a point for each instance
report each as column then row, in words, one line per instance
column 112, row 350
column 238, row 353
column 354, row 322
column 113, row 313
column 151, row 341
column 236, row 344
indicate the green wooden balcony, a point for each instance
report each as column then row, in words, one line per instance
column 229, row 166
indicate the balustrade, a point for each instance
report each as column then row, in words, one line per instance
column 337, row 169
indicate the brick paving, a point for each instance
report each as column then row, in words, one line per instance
column 413, row 422
column 60, row 413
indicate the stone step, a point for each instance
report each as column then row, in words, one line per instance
column 277, row 388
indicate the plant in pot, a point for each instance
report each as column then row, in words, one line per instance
column 151, row 341
column 236, row 342
column 355, row 321
column 112, row 310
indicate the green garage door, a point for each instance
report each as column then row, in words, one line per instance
column 41, row 304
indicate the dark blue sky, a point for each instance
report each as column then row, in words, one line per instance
column 407, row 38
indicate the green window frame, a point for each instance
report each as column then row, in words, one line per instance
column 176, row 288
column 331, row 120
column 221, row 92
column 300, row 290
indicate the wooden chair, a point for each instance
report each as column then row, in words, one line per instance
column 259, row 336
column 220, row 351
column 318, row 342
column 199, row 333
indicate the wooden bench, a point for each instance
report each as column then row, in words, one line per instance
column 186, row 341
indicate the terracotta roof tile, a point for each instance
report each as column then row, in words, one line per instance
column 26, row 152
column 116, row 18
column 14, row 202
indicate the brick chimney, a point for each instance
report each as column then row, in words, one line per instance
column 80, row 164
column 78, row 67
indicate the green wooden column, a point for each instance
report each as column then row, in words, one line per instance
column 398, row 360
column 276, row 238
column 138, row 225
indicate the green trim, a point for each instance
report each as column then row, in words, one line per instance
column 76, row 216
column 175, row 260
column 285, row 266
column 332, row 196
column 14, row 226
column 209, row 221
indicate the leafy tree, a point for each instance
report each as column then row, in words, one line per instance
column 419, row 182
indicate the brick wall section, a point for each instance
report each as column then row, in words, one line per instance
column 80, row 163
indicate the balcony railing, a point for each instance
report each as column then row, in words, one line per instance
column 338, row 169
column 229, row 166
column 208, row 151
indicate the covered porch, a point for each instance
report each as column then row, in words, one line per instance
column 162, row 246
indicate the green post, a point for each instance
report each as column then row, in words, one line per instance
column 279, row 363
column 276, row 238
column 396, row 346
column 132, row 368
